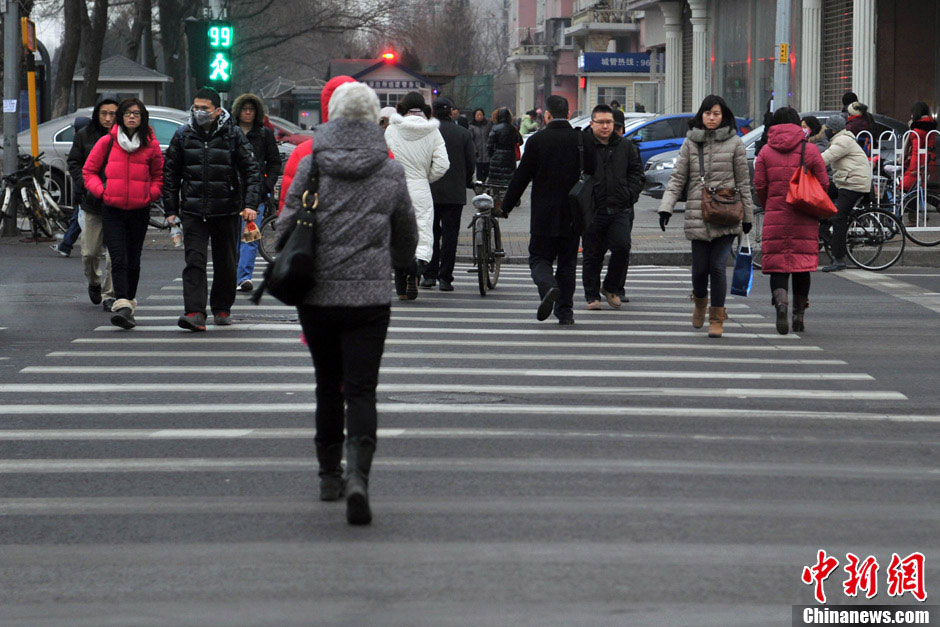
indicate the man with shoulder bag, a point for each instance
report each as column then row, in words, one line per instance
column 617, row 182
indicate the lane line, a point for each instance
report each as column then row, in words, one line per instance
column 462, row 355
column 528, row 465
column 509, row 410
column 444, row 304
column 425, row 371
column 305, row 387
column 898, row 289
column 520, row 283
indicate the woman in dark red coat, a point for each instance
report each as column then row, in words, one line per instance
column 125, row 170
column 790, row 238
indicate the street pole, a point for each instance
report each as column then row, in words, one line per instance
column 11, row 96
column 782, row 65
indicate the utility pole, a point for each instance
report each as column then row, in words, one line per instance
column 11, row 91
column 782, row 64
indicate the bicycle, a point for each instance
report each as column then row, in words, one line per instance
column 268, row 239
column 485, row 236
column 23, row 198
column 918, row 209
column 874, row 239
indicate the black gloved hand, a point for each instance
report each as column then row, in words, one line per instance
column 746, row 227
column 664, row 219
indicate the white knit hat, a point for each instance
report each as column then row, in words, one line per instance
column 354, row 101
column 387, row 112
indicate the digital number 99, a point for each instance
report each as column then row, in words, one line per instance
column 220, row 37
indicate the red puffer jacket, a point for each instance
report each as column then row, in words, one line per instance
column 132, row 179
column 924, row 168
column 790, row 238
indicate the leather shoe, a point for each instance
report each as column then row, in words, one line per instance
column 94, row 293
column 547, row 304
column 566, row 322
column 428, row 282
column 446, row 286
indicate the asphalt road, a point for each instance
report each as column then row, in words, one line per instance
column 624, row 471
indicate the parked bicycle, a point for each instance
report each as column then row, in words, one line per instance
column 24, row 200
column 486, row 240
column 918, row 209
column 268, row 239
column 875, row 238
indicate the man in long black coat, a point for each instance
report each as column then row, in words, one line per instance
column 552, row 163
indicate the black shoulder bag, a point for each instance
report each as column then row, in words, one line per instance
column 581, row 195
column 291, row 276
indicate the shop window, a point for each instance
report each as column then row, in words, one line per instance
column 390, row 100
column 836, row 53
column 606, row 95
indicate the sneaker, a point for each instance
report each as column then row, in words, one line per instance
column 222, row 319
column 446, row 286
column 56, row 248
column 612, row 299
column 246, row 286
column 566, row 322
column 427, row 282
column 836, row 266
column 108, row 304
column 94, row 293
column 195, row 321
column 547, row 304
column 123, row 318
column 594, row 305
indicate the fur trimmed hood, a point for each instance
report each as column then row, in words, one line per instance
column 242, row 100
column 701, row 135
column 414, row 127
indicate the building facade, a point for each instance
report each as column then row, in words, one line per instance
column 880, row 49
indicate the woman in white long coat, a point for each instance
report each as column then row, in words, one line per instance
column 418, row 145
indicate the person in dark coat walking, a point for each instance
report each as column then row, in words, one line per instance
column 99, row 283
column 480, row 129
column 552, row 164
column 501, row 148
column 617, row 182
column 248, row 112
column 364, row 226
column 210, row 178
column 450, row 195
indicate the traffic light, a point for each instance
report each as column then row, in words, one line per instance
column 219, row 39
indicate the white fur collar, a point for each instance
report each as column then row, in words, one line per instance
column 414, row 127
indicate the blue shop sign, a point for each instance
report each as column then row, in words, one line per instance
column 635, row 62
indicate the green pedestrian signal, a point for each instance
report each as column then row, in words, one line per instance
column 220, row 37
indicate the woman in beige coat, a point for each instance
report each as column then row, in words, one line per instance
column 714, row 134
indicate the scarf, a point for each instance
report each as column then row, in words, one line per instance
column 125, row 142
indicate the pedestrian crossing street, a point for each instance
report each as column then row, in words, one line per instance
column 628, row 440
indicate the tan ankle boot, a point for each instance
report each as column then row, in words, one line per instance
column 716, row 316
column 698, row 314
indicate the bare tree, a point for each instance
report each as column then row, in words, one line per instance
column 140, row 41
column 94, row 30
column 172, row 13
column 71, row 44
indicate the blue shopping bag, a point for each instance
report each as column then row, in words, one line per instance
column 743, row 270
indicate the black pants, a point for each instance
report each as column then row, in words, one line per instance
column 840, row 223
column 483, row 171
column 346, row 344
column 801, row 281
column 710, row 261
column 124, row 233
column 544, row 251
column 223, row 233
column 607, row 232
column 446, row 233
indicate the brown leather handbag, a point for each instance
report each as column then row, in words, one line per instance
column 721, row 207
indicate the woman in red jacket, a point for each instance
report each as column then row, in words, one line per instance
column 921, row 168
column 125, row 170
column 790, row 238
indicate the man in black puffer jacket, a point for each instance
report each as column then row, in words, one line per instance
column 210, row 179
column 618, row 181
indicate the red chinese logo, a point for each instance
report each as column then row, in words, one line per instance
column 819, row 572
column 907, row 575
column 862, row 576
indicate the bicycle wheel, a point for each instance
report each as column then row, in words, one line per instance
column 495, row 258
column 37, row 216
column 480, row 253
column 268, row 238
column 921, row 218
column 56, row 213
column 875, row 239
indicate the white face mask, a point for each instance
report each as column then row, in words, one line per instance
column 806, row 132
column 202, row 118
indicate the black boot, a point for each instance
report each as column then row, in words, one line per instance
column 800, row 303
column 331, row 471
column 359, row 451
column 401, row 284
column 781, row 302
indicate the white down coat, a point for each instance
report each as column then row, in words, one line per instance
column 418, row 145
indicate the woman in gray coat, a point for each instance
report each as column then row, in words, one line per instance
column 714, row 133
column 480, row 128
column 364, row 226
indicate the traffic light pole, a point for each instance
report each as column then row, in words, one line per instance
column 782, row 62
column 11, row 57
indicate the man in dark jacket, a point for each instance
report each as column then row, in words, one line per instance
column 103, row 117
column 551, row 161
column 210, row 174
column 248, row 112
column 617, row 182
column 450, row 195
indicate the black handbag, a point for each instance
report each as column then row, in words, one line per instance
column 291, row 276
column 581, row 195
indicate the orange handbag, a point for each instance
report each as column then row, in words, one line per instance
column 806, row 195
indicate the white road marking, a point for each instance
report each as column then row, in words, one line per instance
column 446, row 304
column 899, row 289
column 305, row 387
column 425, row 371
column 520, row 283
column 455, row 356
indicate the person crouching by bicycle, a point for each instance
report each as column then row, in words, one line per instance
column 360, row 238
column 99, row 282
column 248, row 112
column 125, row 170
column 713, row 155
column 851, row 174
column 790, row 238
